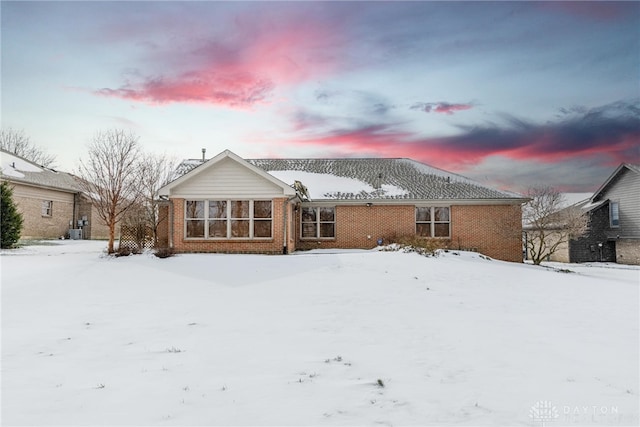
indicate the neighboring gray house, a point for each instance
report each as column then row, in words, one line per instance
column 614, row 221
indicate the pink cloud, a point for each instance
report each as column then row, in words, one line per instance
column 236, row 91
column 240, row 71
column 380, row 141
column 608, row 135
column 441, row 107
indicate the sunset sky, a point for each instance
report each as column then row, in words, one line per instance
column 511, row 94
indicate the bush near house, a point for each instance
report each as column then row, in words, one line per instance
column 412, row 243
column 11, row 219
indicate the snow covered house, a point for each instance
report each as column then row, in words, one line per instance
column 274, row 206
column 51, row 201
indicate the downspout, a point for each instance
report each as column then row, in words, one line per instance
column 170, row 225
column 75, row 213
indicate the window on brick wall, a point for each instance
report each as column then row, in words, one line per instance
column 318, row 222
column 47, row 208
column 229, row 219
column 240, row 218
column 194, row 218
column 218, row 218
column 433, row 221
column 262, row 218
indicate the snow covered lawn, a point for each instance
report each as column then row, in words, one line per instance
column 316, row 338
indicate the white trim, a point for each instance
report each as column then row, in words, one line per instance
column 226, row 154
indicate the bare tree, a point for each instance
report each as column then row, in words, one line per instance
column 549, row 224
column 110, row 176
column 155, row 171
column 17, row 142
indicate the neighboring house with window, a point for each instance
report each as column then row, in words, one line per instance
column 50, row 201
column 275, row 206
column 614, row 221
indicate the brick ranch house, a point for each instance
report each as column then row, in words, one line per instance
column 274, row 206
column 51, row 201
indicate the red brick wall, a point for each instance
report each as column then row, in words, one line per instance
column 494, row 230
column 362, row 226
column 163, row 226
column 265, row 246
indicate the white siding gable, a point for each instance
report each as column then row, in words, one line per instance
column 227, row 179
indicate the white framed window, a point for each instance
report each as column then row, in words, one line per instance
column 318, row 222
column 47, row 207
column 433, row 221
column 614, row 214
column 194, row 218
column 228, row 219
column 218, row 219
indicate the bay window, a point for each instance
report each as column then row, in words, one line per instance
column 229, row 219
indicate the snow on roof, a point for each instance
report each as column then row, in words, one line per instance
column 370, row 178
column 13, row 166
column 187, row 165
column 570, row 199
column 16, row 168
column 381, row 178
column 588, row 205
column 326, row 186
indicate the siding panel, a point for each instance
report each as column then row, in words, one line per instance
column 625, row 189
column 227, row 179
column 41, row 193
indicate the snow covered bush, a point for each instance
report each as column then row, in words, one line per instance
column 417, row 244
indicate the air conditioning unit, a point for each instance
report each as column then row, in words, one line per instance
column 75, row 234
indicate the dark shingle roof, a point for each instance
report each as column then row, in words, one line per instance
column 17, row 169
column 409, row 179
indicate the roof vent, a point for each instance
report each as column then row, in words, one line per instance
column 204, row 151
